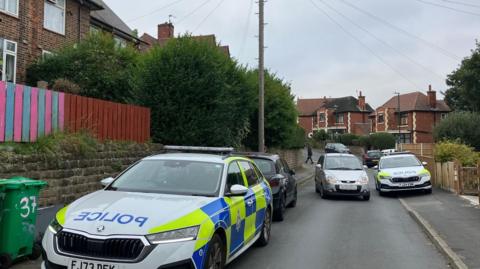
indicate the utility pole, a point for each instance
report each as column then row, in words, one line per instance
column 399, row 118
column 261, row 76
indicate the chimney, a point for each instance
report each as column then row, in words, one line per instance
column 361, row 101
column 165, row 31
column 432, row 97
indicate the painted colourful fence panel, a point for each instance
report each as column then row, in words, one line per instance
column 27, row 113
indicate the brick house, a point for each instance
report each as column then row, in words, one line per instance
column 166, row 31
column 335, row 115
column 30, row 29
column 419, row 113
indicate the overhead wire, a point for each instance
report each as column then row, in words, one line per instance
column 383, row 41
column 193, row 11
column 350, row 34
column 405, row 32
column 247, row 27
column 155, row 10
column 450, row 8
column 461, row 3
column 208, row 15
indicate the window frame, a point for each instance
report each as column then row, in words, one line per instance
column 339, row 116
column 403, row 118
column 6, row 11
column 381, row 118
column 241, row 162
column 321, row 117
column 226, row 189
column 443, row 116
column 4, row 59
column 48, row 2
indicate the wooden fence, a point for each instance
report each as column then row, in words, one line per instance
column 422, row 149
column 27, row 113
column 451, row 176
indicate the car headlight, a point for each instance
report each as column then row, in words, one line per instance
column 364, row 180
column 424, row 174
column 54, row 226
column 384, row 177
column 180, row 235
column 331, row 179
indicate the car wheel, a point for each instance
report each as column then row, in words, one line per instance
column 36, row 252
column 294, row 202
column 322, row 193
column 317, row 190
column 429, row 191
column 266, row 228
column 366, row 197
column 215, row 254
column 279, row 214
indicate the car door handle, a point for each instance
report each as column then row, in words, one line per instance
column 250, row 202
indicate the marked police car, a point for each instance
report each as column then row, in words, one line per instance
column 175, row 210
column 402, row 172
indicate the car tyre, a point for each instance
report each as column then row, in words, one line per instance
column 266, row 229
column 279, row 214
column 215, row 254
column 317, row 190
column 366, row 197
column 294, row 202
column 322, row 193
column 36, row 252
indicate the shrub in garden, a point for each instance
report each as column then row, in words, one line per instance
column 382, row 141
column 463, row 126
column 447, row 151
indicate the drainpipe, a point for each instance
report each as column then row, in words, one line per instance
column 82, row 2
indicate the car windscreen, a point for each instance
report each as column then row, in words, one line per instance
column 400, row 161
column 267, row 167
column 182, row 177
column 374, row 154
column 342, row 163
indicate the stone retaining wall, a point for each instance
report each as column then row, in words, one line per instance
column 70, row 177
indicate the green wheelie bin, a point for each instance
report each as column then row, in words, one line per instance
column 18, row 214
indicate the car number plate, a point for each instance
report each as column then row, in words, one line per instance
column 81, row 264
column 348, row 187
column 407, row 184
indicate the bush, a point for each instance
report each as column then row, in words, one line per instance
column 462, row 126
column 346, row 139
column 320, row 135
column 363, row 141
column 382, row 141
column 448, row 151
column 297, row 140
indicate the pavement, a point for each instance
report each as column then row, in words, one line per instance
column 456, row 220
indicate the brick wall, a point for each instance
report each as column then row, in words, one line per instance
column 294, row 157
column 27, row 30
column 70, row 177
column 306, row 123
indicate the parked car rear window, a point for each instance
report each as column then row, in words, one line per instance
column 374, row 154
column 171, row 177
column 399, row 161
column 267, row 167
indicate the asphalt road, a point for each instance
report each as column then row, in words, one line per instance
column 344, row 233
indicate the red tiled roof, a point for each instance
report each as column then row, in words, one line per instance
column 415, row 101
column 307, row 107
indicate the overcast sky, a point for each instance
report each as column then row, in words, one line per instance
column 313, row 53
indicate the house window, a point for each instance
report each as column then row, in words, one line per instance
column 381, row 118
column 9, row 6
column 8, row 60
column 120, row 42
column 339, row 118
column 404, row 119
column 54, row 16
column 404, row 138
column 322, row 117
column 443, row 116
column 46, row 54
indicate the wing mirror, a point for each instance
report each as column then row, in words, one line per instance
column 107, row 181
column 238, row 190
column 424, row 163
column 375, row 167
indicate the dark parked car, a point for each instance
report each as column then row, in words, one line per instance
column 336, row 148
column 372, row 157
column 281, row 178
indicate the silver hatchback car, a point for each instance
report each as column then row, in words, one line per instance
column 342, row 175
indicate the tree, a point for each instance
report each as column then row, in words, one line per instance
column 464, row 83
column 463, row 126
column 382, row 141
column 281, row 127
column 197, row 94
column 320, row 135
column 99, row 67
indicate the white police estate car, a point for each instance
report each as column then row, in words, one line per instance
column 175, row 210
column 402, row 172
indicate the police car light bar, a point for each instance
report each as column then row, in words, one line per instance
column 199, row 149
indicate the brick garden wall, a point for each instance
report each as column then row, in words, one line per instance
column 70, row 177
column 294, row 157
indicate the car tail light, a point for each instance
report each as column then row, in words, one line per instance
column 274, row 183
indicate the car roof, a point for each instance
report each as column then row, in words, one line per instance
column 398, row 155
column 339, row 155
column 258, row 155
column 196, row 157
